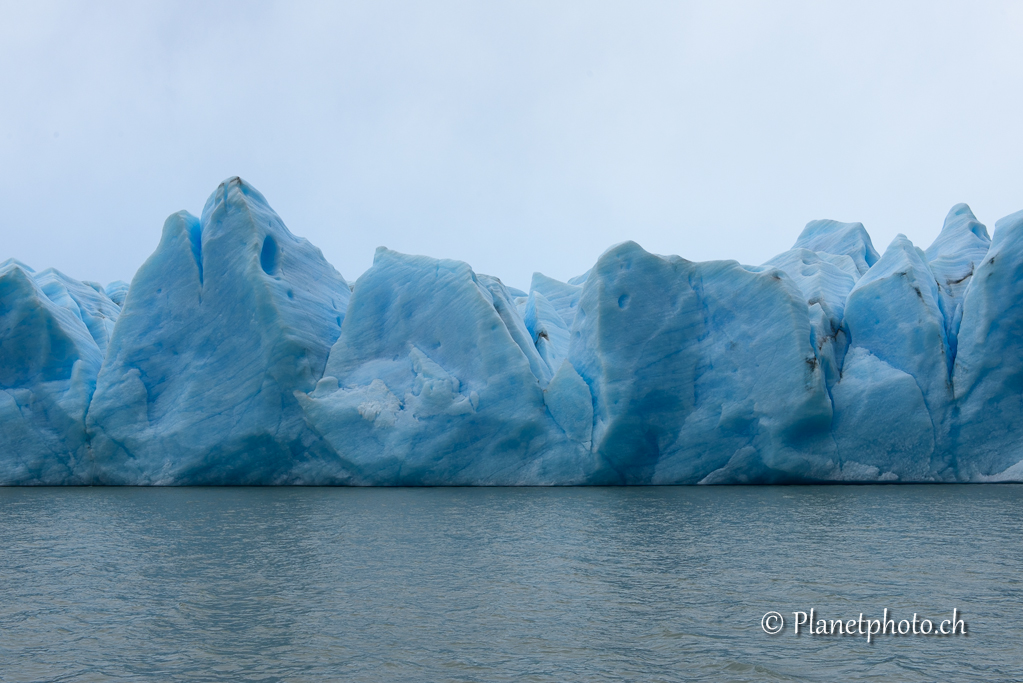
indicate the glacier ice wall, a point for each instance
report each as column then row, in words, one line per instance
column 238, row 355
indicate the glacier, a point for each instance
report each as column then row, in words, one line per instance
column 238, row 355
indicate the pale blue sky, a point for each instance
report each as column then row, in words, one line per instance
column 514, row 136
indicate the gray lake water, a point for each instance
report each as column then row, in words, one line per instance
column 578, row 584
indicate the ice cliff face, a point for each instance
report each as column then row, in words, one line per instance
column 435, row 379
column 53, row 333
column 987, row 430
column 226, row 321
column 238, row 355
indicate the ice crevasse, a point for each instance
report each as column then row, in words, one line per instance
column 239, row 355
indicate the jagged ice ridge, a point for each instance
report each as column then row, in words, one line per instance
column 238, row 355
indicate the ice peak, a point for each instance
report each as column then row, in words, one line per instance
column 962, row 235
column 835, row 237
column 16, row 263
column 1010, row 223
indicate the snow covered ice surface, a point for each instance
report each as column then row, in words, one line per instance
column 238, row 355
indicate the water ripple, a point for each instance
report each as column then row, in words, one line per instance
column 584, row 584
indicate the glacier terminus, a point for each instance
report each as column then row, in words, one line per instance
column 239, row 355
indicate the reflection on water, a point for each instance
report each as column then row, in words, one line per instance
column 645, row 584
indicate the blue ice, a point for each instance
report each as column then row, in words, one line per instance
column 239, row 355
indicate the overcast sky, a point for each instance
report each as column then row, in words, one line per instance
column 515, row 136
